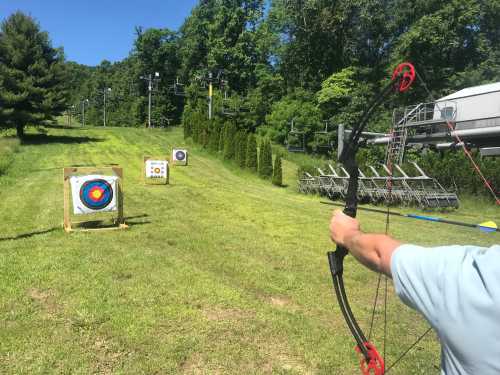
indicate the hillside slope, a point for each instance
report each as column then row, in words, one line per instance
column 220, row 272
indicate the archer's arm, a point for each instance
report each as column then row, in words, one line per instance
column 372, row 250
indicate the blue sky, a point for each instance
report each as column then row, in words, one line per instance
column 91, row 31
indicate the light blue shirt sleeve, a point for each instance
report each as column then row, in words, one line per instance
column 457, row 289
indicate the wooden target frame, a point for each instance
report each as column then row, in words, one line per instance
column 156, row 181
column 70, row 225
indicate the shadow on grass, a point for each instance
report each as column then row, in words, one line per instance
column 76, row 166
column 40, row 139
column 110, row 223
column 64, row 127
column 28, row 235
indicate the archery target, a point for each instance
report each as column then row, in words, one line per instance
column 156, row 169
column 179, row 156
column 93, row 193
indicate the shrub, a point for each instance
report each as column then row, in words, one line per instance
column 277, row 171
column 265, row 159
column 251, row 156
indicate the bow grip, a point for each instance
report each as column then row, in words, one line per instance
column 336, row 260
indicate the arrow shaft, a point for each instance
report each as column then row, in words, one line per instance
column 417, row 217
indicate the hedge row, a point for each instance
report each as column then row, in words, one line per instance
column 224, row 138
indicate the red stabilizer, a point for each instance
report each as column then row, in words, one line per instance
column 375, row 364
column 406, row 73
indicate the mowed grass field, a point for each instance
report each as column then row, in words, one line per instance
column 219, row 273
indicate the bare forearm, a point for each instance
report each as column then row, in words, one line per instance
column 372, row 250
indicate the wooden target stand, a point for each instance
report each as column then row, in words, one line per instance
column 155, row 181
column 91, row 225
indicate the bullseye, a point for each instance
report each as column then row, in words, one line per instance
column 96, row 194
column 180, row 155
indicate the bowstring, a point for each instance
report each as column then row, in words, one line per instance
column 387, row 225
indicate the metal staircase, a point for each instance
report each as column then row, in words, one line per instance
column 398, row 134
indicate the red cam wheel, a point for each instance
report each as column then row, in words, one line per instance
column 375, row 365
column 405, row 73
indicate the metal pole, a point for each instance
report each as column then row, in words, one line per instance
column 210, row 95
column 150, row 79
column 340, row 135
column 105, row 107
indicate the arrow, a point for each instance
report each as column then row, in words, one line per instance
column 487, row 226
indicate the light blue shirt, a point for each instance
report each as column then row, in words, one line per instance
column 457, row 289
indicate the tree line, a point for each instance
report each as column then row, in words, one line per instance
column 308, row 61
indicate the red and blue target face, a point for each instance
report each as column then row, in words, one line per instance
column 96, row 194
column 180, row 155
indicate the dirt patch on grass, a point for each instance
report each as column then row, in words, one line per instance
column 195, row 365
column 45, row 299
column 220, row 314
column 107, row 357
column 279, row 359
column 281, row 302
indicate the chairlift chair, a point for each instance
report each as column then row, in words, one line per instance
column 226, row 106
column 320, row 137
column 178, row 88
column 299, row 136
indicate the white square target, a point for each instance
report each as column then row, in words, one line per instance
column 179, row 156
column 156, row 169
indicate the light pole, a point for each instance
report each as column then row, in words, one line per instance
column 70, row 113
column 210, row 95
column 149, row 78
column 84, row 101
column 105, row 90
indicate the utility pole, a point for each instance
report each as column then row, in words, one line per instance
column 70, row 113
column 149, row 78
column 105, row 90
column 210, row 95
column 84, row 101
column 211, row 80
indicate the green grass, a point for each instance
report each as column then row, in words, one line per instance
column 219, row 273
column 8, row 147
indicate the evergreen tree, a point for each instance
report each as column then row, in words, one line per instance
column 277, row 171
column 215, row 136
column 204, row 135
column 251, row 157
column 32, row 75
column 222, row 137
column 242, row 150
column 265, row 159
column 229, row 141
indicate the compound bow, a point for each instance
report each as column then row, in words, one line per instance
column 371, row 362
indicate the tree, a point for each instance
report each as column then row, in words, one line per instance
column 215, row 136
column 242, row 150
column 32, row 75
column 265, row 159
column 277, row 171
column 229, row 141
column 251, row 157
